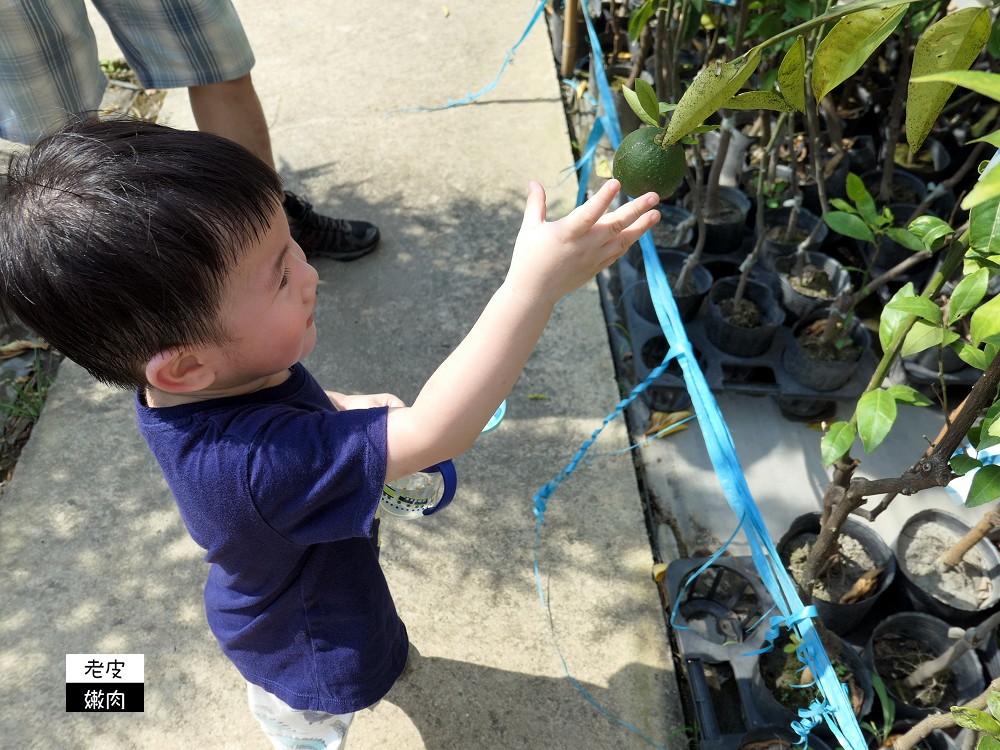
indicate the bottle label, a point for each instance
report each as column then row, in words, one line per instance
column 399, row 504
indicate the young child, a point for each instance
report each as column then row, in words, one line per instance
column 161, row 261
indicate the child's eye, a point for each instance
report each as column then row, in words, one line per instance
column 284, row 279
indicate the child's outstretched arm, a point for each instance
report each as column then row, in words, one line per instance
column 550, row 260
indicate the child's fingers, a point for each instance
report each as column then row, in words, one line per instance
column 534, row 206
column 624, row 239
column 583, row 217
column 624, row 217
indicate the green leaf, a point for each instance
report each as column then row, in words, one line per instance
column 985, row 488
column 836, row 442
column 640, row 17
column 858, row 193
column 849, row 44
column 771, row 100
column 968, row 293
column 973, row 718
column 906, row 238
column 791, row 75
column 931, row 230
column 991, row 138
column 892, row 320
column 848, row 225
column 962, row 464
column 710, row 89
column 988, row 743
column 953, row 43
column 922, row 307
column 842, row 205
column 985, row 322
column 993, row 45
column 987, row 188
column 984, row 227
column 643, row 102
column 762, row 25
column 876, row 413
column 987, row 84
column 980, row 436
column 904, row 394
column 972, row 356
column 922, row 336
column 993, row 703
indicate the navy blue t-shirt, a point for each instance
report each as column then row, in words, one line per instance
column 281, row 490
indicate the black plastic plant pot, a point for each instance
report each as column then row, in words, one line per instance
column 780, row 738
column 931, row 162
column 688, row 302
column 676, row 227
column 805, row 409
column 889, row 253
column 772, row 664
column 905, row 187
column 719, row 608
column 835, row 184
column 855, row 537
column 724, row 231
column 936, row 740
column 798, row 302
column 905, row 639
column 823, row 374
column 671, row 395
column 723, row 704
column 937, row 358
column 962, row 596
column 736, row 339
column 776, row 222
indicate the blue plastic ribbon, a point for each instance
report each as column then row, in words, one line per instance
column 834, row 706
column 471, row 97
column 835, row 709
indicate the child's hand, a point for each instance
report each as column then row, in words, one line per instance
column 551, row 259
column 363, row 401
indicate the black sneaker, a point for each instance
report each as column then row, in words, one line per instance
column 323, row 237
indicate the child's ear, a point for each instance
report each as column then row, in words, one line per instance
column 179, row 371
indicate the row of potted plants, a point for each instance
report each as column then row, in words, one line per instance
column 788, row 88
column 885, row 616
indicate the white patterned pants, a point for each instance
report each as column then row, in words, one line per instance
column 291, row 729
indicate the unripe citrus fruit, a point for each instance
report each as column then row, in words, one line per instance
column 642, row 164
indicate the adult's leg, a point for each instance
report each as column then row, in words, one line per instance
column 231, row 109
column 199, row 45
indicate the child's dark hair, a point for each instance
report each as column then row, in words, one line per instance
column 116, row 238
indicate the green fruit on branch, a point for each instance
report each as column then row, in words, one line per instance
column 642, row 164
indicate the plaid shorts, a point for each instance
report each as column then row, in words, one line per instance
column 49, row 66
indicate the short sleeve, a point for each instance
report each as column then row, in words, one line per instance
column 317, row 476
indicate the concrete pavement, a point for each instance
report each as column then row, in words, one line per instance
column 95, row 558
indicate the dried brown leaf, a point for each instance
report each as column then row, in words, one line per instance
column 661, row 420
column 20, row 346
column 862, row 586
